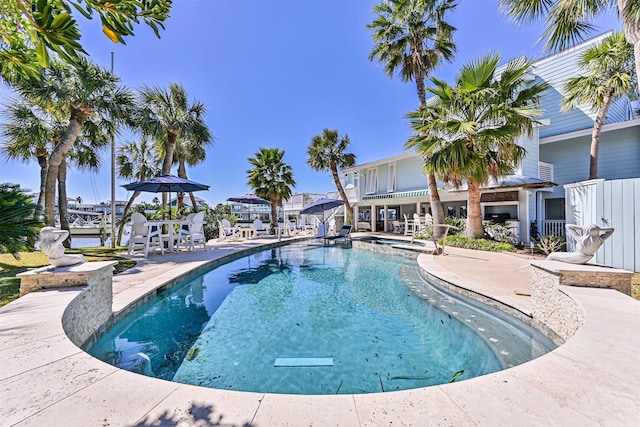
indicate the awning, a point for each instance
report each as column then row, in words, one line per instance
column 512, row 181
column 398, row 195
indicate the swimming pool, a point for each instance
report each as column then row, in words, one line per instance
column 312, row 319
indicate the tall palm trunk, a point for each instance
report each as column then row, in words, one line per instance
column 274, row 215
column 437, row 211
column 347, row 205
column 166, row 165
column 475, row 230
column 58, row 154
column 182, row 173
column 124, row 215
column 595, row 134
column 42, row 162
column 62, row 201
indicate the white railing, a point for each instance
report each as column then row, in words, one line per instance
column 553, row 226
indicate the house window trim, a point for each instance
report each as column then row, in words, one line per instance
column 372, row 181
column 391, row 178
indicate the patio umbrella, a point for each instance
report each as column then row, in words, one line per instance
column 166, row 184
column 249, row 199
column 321, row 205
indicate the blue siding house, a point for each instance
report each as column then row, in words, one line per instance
column 385, row 190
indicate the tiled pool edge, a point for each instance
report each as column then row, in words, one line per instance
column 557, row 388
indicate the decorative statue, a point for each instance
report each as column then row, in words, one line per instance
column 588, row 241
column 51, row 245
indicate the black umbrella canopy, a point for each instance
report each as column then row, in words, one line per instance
column 319, row 206
column 166, row 184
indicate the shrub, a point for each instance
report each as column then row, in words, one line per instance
column 459, row 223
column 211, row 218
column 548, row 244
column 500, row 233
column 19, row 228
column 461, row 241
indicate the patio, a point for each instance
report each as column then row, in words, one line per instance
column 593, row 379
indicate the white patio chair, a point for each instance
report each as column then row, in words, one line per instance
column 143, row 235
column 226, row 231
column 259, row 228
column 397, row 227
column 182, row 236
column 408, row 226
column 194, row 233
column 289, row 229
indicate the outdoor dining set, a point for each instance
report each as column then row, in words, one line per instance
column 169, row 234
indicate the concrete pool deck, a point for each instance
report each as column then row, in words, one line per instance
column 593, row 379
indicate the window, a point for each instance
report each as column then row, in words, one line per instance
column 356, row 181
column 391, row 178
column 372, row 181
column 554, row 208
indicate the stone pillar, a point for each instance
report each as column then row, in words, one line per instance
column 552, row 307
column 91, row 309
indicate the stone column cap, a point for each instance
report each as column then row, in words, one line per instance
column 86, row 267
column 565, row 267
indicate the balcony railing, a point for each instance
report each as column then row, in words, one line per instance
column 553, row 226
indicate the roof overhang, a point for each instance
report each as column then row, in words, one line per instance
column 512, row 181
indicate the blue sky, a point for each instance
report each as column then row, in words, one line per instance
column 275, row 73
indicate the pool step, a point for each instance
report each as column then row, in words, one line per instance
column 303, row 361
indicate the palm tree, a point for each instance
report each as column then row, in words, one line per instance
column 19, row 227
column 77, row 94
column 412, row 37
column 271, row 178
column 27, row 135
column 326, row 154
column 468, row 133
column 569, row 21
column 32, row 132
column 166, row 115
column 609, row 68
column 139, row 161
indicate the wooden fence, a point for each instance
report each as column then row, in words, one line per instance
column 616, row 204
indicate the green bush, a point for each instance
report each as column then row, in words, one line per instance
column 460, row 241
column 19, row 228
column 211, row 218
column 459, row 223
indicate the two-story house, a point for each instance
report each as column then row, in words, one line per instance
column 533, row 197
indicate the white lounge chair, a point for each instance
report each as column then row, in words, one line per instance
column 144, row 236
column 259, row 228
column 321, row 233
column 226, row 231
column 345, row 233
column 364, row 226
column 289, row 229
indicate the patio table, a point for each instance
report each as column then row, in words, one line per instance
column 170, row 223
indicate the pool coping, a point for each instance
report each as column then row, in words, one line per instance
column 593, row 379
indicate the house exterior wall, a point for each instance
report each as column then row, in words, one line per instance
column 619, row 158
column 562, row 140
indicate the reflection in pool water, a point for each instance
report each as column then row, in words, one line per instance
column 303, row 303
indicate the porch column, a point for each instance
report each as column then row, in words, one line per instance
column 356, row 216
column 386, row 218
column 372, row 217
column 418, row 208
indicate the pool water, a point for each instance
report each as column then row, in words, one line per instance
column 312, row 319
